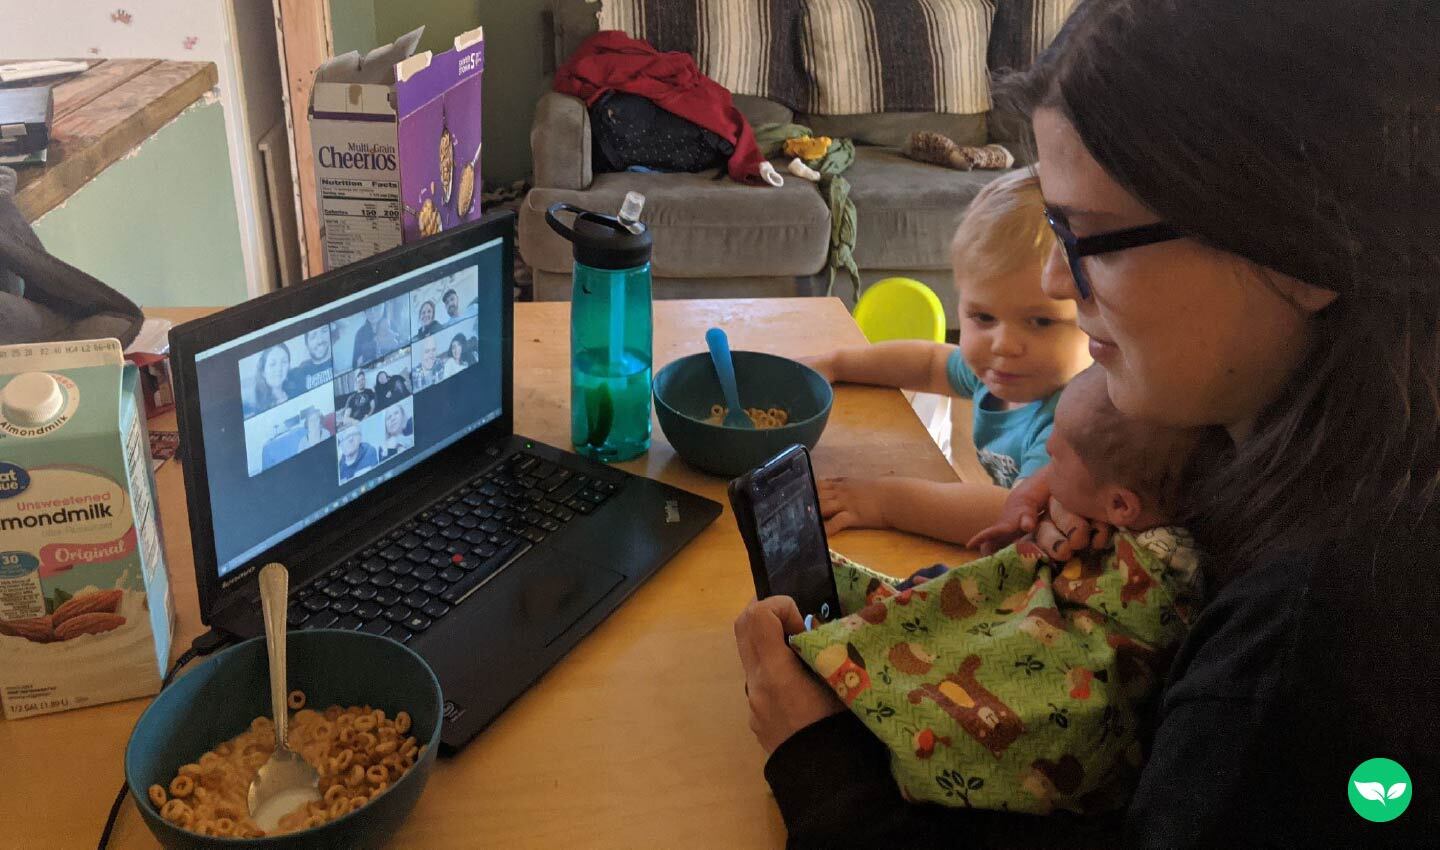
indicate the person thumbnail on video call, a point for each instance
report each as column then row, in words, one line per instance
column 351, row 380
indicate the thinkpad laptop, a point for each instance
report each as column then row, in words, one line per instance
column 358, row 429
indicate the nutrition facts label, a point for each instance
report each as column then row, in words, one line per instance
column 138, row 462
column 361, row 217
column 21, row 596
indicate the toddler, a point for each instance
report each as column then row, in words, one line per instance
column 1018, row 348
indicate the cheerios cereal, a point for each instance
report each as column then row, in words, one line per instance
column 774, row 417
column 358, row 751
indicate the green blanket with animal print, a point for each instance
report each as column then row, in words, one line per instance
column 1010, row 682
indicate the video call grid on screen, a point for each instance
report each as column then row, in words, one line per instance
column 336, row 400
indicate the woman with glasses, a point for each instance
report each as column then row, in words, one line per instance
column 1244, row 198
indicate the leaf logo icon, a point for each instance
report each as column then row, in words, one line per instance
column 1379, row 790
column 1376, row 791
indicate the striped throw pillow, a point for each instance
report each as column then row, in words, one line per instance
column 750, row 47
column 1023, row 29
column 867, row 56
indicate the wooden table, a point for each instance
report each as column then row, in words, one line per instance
column 100, row 116
column 639, row 737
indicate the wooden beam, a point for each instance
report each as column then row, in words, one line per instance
column 101, row 78
column 90, row 137
column 302, row 28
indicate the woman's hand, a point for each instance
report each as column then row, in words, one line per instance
column 784, row 695
column 850, row 503
column 1024, row 508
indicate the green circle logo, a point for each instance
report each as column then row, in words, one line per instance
column 1379, row 790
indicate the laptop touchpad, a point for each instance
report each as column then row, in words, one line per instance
column 560, row 589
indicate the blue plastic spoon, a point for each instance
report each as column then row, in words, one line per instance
column 735, row 415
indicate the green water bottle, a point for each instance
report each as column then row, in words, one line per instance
column 610, row 330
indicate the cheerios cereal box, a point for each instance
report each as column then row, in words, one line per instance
column 85, row 614
column 396, row 139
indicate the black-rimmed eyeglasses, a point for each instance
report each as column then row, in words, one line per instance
column 1079, row 247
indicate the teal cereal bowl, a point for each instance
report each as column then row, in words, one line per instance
column 217, row 699
column 687, row 389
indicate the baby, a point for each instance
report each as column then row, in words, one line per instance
column 1012, row 682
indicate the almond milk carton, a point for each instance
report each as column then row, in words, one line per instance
column 85, row 613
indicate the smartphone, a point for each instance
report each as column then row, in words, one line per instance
column 778, row 512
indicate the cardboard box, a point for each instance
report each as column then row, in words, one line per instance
column 396, row 144
column 85, row 612
column 150, row 352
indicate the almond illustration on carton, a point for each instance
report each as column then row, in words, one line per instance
column 88, row 624
column 99, row 602
column 36, row 629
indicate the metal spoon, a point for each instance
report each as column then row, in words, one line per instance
column 286, row 780
column 735, row 415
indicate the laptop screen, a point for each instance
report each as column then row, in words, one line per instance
column 307, row 414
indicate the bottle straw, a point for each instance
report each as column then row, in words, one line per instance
column 629, row 216
column 617, row 322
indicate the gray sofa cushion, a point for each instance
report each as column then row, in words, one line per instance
column 758, row 110
column 703, row 227
column 891, row 129
column 560, row 142
column 907, row 211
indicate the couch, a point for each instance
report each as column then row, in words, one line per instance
column 719, row 239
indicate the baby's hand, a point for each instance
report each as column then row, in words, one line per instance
column 849, row 503
column 1061, row 534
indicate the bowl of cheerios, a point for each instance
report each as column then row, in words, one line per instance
column 365, row 712
column 787, row 403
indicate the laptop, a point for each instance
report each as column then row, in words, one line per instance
column 358, row 429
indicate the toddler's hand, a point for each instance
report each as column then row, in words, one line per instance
column 849, row 503
column 822, row 363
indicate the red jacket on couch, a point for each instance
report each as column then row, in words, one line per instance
column 613, row 61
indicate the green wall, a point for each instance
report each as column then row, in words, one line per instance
column 514, row 57
column 159, row 225
column 352, row 24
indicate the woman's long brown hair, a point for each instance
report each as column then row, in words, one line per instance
column 1303, row 135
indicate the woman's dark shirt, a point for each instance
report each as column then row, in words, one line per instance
column 1301, row 668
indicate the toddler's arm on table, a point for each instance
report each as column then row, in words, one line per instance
column 953, row 512
column 905, row 364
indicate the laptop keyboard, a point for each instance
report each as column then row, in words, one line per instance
column 419, row 572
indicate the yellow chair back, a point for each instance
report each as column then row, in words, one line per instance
column 900, row 308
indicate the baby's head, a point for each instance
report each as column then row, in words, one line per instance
column 1107, row 466
column 1023, row 344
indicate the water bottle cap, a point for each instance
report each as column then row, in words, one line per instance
column 603, row 241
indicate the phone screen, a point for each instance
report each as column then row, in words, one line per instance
column 792, row 537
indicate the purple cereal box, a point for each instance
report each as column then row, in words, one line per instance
column 396, row 142
column 438, row 110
